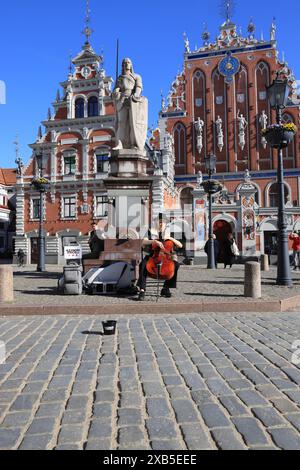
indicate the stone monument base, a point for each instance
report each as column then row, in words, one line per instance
column 128, row 163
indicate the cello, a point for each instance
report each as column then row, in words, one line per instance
column 161, row 266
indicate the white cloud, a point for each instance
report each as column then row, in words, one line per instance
column 2, row 92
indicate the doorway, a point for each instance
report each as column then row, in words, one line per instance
column 270, row 242
column 221, row 229
column 34, row 251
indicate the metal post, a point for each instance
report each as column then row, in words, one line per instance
column 211, row 263
column 283, row 263
column 41, row 263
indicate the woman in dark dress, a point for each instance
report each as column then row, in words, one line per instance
column 227, row 251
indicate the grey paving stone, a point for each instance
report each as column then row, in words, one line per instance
column 74, row 417
column 154, row 389
column 293, row 373
column 226, row 439
column 201, row 397
column 294, row 418
column 108, row 396
column 218, row 387
column 234, row 406
column 102, row 410
column 241, row 384
column 161, row 428
column 294, row 395
column 172, row 444
column 213, row 416
column 60, row 382
column 77, row 402
column 207, row 371
column 129, row 416
column 158, row 407
column 255, row 376
column 268, row 416
column 103, row 444
column 9, row 385
column 195, row 382
column 24, row 402
column 230, row 373
column 49, row 409
column 130, row 435
column 284, row 405
column 81, row 388
column 9, row 438
column 285, row 438
column 172, row 380
column 36, row 442
column 59, row 395
column 195, row 437
column 252, row 398
column 100, row 429
column 269, row 391
column 250, row 430
column 284, row 384
column 130, row 400
column 7, row 397
column 42, row 426
column 178, row 392
column 69, row 447
column 71, row 433
column 185, row 411
column 15, row 420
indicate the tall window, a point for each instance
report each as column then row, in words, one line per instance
column 186, row 198
column 79, row 108
column 102, row 163
column 69, row 211
column 70, row 165
column 35, row 209
column 93, row 107
column 273, row 195
column 101, row 206
column 180, row 144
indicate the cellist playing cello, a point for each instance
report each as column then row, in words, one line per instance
column 158, row 243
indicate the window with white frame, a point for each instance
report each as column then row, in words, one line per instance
column 69, row 164
column 101, row 206
column 102, row 160
column 69, row 207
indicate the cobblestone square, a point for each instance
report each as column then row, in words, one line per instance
column 182, row 382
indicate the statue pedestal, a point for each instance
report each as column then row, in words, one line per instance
column 128, row 163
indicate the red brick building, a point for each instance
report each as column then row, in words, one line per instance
column 209, row 110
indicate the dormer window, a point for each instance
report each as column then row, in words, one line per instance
column 93, row 106
column 79, row 108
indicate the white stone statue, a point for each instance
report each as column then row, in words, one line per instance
column 132, row 110
column 263, row 120
column 186, row 43
column 199, row 179
column 273, row 30
column 199, row 126
column 220, row 135
column 242, row 127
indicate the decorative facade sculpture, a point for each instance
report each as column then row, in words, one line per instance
column 242, row 123
column 220, row 135
column 132, row 110
column 263, row 121
column 199, row 126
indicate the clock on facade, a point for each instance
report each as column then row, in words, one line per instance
column 86, row 71
column 228, row 67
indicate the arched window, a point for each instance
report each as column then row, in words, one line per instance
column 93, row 107
column 180, row 144
column 273, row 195
column 79, row 108
column 186, row 198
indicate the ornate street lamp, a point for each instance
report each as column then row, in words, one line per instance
column 211, row 187
column 278, row 94
column 41, row 188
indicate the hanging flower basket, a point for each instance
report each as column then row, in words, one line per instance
column 279, row 136
column 212, row 186
column 40, row 184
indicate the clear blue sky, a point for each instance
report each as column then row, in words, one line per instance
column 36, row 39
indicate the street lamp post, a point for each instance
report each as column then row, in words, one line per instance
column 210, row 166
column 41, row 261
column 278, row 94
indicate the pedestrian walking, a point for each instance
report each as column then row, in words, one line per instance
column 230, row 251
column 295, row 237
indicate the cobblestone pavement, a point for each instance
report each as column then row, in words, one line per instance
column 195, row 284
column 165, row 382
